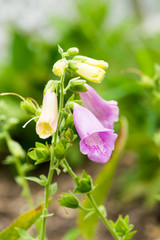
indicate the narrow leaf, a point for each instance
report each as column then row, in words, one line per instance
column 37, row 180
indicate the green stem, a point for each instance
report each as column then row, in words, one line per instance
column 26, row 189
column 85, row 209
column 105, row 221
column 21, row 174
column 51, row 168
column 69, row 169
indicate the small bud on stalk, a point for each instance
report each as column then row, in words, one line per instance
column 59, row 67
column 69, row 200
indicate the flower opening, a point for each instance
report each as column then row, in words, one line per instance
column 47, row 122
column 96, row 142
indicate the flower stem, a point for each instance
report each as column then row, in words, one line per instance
column 105, row 221
column 51, row 167
column 21, row 174
column 26, row 189
column 69, row 169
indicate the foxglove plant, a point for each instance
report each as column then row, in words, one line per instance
column 93, row 122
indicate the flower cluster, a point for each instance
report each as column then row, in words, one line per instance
column 94, row 120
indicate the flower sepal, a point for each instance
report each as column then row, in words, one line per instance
column 29, row 107
column 69, row 200
column 77, row 85
column 51, row 85
column 59, row 150
column 40, row 154
column 123, row 228
column 84, row 184
column 70, row 103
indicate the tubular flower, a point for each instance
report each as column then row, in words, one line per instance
column 105, row 111
column 47, row 122
column 91, row 73
column 97, row 63
column 96, row 142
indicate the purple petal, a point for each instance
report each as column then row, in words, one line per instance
column 105, row 111
column 96, row 141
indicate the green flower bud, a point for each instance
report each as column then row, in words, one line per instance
column 123, row 228
column 40, row 154
column 29, row 107
column 69, row 121
column 51, row 85
column 59, row 151
column 73, row 51
column 59, row 67
column 69, row 200
column 77, row 85
column 15, row 148
column 84, row 183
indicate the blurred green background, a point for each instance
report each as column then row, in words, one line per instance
column 124, row 33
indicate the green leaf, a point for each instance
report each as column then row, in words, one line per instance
column 72, row 234
column 104, row 178
column 37, row 180
column 126, row 219
column 60, row 50
column 40, row 145
column 29, row 107
column 24, row 221
column 52, row 189
column 19, row 180
column 32, row 155
column 9, row 160
column 24, row 234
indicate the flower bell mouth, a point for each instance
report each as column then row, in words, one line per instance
column 47, row 123
column 46, row 129
column 97, row 142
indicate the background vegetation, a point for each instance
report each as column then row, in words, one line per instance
column 126, row 34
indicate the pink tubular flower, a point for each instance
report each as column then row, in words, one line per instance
column 96, row 141
column 105, row 111
column 47, row 122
